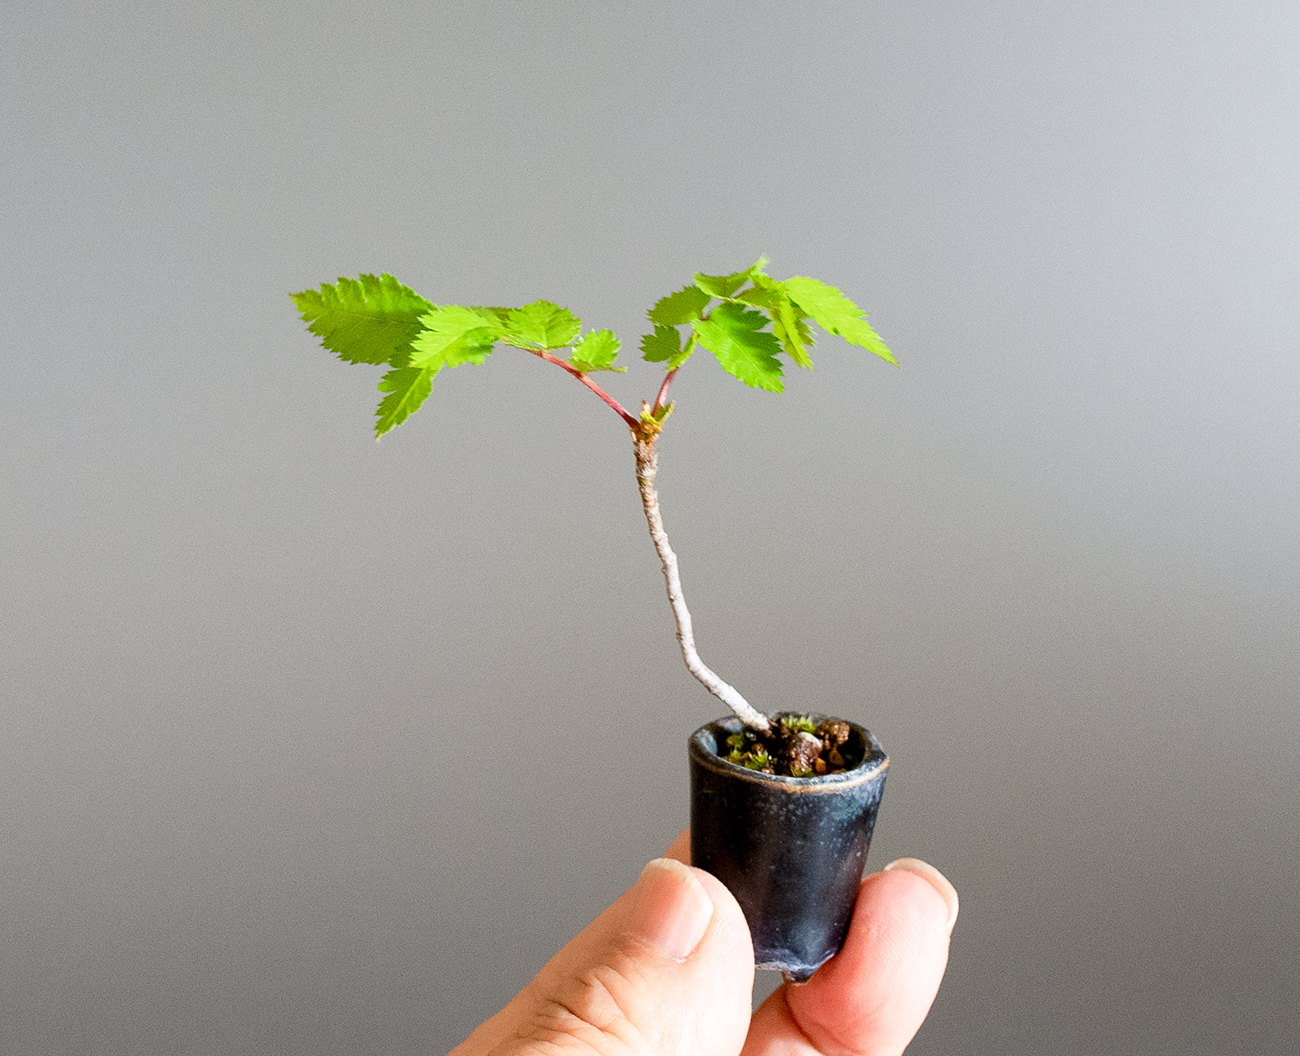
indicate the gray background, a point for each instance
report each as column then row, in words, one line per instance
column 313, row 745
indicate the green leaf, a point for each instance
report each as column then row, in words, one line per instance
column 365, row 320
column 787, row 320
column 541, row 325
column 724, row 286
column 790, row 329
column 687, row 350
column 663, row 344
column 836, row 314
column 596, row 351
column 680, row 307
column 407, row 388
column 758, row 298
column 735, row 336
column 795, row 337
column 453, row 335
column 501, row 315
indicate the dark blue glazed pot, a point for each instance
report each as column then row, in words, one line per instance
column 791, row 849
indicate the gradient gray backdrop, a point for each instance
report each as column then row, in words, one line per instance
column 313, row 745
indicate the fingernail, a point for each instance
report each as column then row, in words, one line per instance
column 672, row 910
column 935, row 879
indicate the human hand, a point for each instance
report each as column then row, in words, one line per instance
column 668, row 970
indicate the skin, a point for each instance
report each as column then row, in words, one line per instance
column 668, row 970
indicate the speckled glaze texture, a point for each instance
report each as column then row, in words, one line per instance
column 791, row 849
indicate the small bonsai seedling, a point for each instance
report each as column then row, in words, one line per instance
column 746, row 320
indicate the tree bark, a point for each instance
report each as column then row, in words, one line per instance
column 647, row 466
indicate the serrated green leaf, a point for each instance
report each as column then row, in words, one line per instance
column 453, row 335
column 836, row 314
column 724, row 286
column 502, row 315
column 789, row 328
column 755, row 297
column 681, row 357
column 364, row 320
column 541, row 325
column 795, row 347
column 787, row 321
column 680, row 307
column 407, row 388
column 596, row 351
column 735, row 336
column 664, row 343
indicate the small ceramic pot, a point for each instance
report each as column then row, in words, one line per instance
column 791, row 849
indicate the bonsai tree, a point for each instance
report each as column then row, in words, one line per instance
column 746, row 320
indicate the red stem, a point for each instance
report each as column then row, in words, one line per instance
column 632, row 422
column 661, row 399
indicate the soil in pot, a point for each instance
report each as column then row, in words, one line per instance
column 796, row 746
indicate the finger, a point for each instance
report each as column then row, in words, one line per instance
column 680, row 848
column 870, row 998
column 667, row 970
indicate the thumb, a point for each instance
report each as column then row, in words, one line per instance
column 667, row 970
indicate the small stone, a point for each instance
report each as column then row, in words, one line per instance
column 834, row 732
column 802, row 751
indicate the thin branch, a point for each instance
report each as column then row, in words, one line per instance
column 647, row 466
column 644, row 432
column 632, row 422
column 662, row 398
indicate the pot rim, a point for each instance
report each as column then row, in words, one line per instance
column 873, row 764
